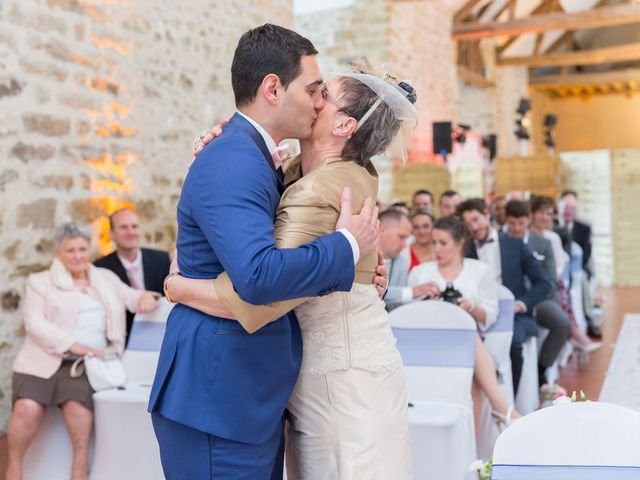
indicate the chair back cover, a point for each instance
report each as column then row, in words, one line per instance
column 585, row 440
column 141, row 356
column 437, row 343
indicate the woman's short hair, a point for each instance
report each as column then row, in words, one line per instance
column 456, row 228
column 375, row 135
column 70, row 230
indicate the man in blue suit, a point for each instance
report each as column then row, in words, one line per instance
column 219, row 395
column 515, row 267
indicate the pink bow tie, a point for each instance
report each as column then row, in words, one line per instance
column 280, row 154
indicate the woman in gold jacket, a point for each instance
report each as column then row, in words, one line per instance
column 348, row 411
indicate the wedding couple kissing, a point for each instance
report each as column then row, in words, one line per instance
column 279, row 322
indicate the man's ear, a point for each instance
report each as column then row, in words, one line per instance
column 271, row 88
column 345, row 126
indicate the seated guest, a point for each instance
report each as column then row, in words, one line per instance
column 422, row 199
column 393, row 234
column 476, row 284
column 548, row 312
column 498, row 211
column 449, row 201
column 71, row 310
column 140, row 268
column 542, row 212
column 421, row 250
column 581, row 234
column 510, row 261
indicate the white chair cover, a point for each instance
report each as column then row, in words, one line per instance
column 126, row 447
column 575, row 292
column 528, row 397
column 585, row 441
column 497, row 339
column 50, row 453
column 437, row 344
column 553, row 372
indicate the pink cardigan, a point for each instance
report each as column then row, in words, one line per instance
column 50, row 317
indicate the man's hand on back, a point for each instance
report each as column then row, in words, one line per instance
column 363, row 227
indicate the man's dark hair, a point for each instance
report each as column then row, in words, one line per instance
column 422, row 192
column 566, row 193
column 448, row 193
column 540, row 203
column 264, row 50
column 517, row 209
column 477, row 204
column 392, row 215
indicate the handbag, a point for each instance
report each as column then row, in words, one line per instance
column 102, row 372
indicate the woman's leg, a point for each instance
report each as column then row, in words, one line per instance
column 484, row 374
column 79, row 421
column 23, row 425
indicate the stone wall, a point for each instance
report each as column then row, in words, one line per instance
column 493, row 109
column 99, row 103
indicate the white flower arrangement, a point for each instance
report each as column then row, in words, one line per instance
column 482, row 469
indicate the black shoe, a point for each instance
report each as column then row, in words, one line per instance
column 594, row 332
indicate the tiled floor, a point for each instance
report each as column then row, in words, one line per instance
column 587, row 377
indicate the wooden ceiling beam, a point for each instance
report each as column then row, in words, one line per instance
column 464, row 11
column 601, row 17
column 614, row 78
column 546, row 6
column 620, row 53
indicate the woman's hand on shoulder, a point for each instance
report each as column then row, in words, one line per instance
column 82, row 350
column 148, row 302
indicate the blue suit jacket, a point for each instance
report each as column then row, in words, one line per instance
column 212, row 375
column 517, row 261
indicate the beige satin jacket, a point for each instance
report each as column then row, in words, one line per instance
column 309, row 209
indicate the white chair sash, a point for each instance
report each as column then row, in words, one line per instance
column 436, row 347
column 146, row 336
column 504, row 321
column 564, row 472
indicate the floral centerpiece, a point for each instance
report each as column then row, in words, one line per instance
column 482, row 469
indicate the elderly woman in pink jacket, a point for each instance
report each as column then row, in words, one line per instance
column 70, row 310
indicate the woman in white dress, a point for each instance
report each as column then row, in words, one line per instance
column 474, row 280
column 348, row 411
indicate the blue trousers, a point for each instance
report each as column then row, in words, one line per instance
column 189, row 454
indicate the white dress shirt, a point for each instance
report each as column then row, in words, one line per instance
column 134, row 271
column 271, row 145
column 489, row 253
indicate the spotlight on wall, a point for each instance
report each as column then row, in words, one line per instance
column 460, row 133
column 550, row 122
column 522, row 122
column 523, row 106
column 490, row 143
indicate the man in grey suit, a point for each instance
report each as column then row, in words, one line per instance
column 548, row 312
column 393, row 235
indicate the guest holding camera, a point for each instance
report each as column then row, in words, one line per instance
column 71, row 310
column 469, row 284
